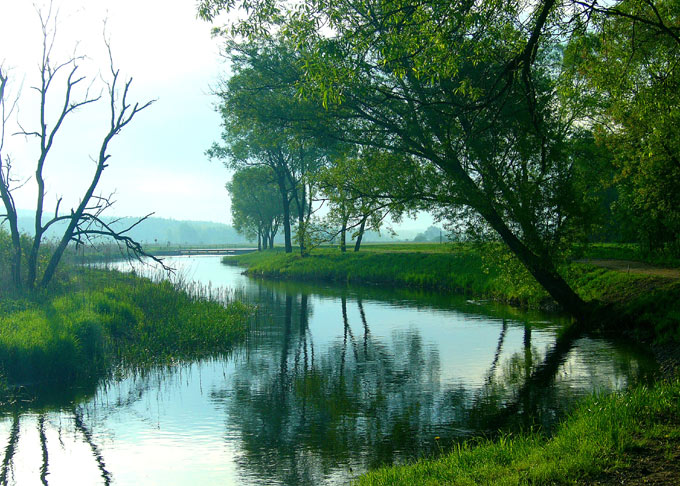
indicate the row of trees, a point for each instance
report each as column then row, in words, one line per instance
column 287, row 163
column 529, row 121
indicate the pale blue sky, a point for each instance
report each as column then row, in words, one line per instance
column 157, row 163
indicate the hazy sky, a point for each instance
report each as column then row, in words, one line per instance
column 157, row 163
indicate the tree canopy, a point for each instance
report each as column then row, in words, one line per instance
column 482, row 96
column 264, row 124
column 256, row 207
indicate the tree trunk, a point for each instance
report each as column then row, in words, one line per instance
column 32, row 263
column 16, row 260
column 360, row 236
column 302, row 227
column 265, row 237
column 281, row 181
column 343, row 238
column 14, row 232
column 542, row 269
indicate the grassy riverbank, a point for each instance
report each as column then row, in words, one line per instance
column 613, row 439
column 644, row 304
column 610, row 439
column 95, row 320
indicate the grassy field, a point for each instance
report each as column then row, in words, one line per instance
column 599, row 443
column 95, row 320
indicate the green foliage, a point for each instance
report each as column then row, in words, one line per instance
column 98, row 320
column 359, row 195
column 256, row 207
column 267, row 125
column 629, row 66
column 594, row 439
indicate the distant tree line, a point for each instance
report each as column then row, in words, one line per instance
column 543, row 125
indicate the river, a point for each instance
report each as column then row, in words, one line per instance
column 331, row 381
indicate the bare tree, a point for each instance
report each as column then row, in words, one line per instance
column 84, row 222
column 7, row 184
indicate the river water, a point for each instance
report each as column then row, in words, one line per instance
column 331, row 382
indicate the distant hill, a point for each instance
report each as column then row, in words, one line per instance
column 162, row 231
column 156, row 230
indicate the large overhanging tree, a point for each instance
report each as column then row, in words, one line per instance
column 466, row 86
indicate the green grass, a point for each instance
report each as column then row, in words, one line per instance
column 596, row 438
column 97, row 320
column 629, row 251
column 646, row 306
column 460, row 269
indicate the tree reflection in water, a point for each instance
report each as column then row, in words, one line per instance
column 307, row 415
column 304, row 415
column 80, row 432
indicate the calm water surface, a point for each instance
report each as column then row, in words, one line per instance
column 331, row 382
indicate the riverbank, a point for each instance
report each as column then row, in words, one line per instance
column 647, row 306
column 95, row 321
column 631, row 437
column 621, row 438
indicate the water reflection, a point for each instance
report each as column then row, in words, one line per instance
column 307, row 415
column 37, row 445
column 331, row 382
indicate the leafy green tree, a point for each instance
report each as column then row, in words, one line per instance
column 361, row 198
column 464, row 88
column 256, row 206
column 628, row 62
column 266, row 125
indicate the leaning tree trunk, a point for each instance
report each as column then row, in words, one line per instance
column 360, row 236
column 542, row 269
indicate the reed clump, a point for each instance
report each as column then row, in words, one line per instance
column 97, row 320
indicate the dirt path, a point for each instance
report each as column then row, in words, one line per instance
column 634, row 267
